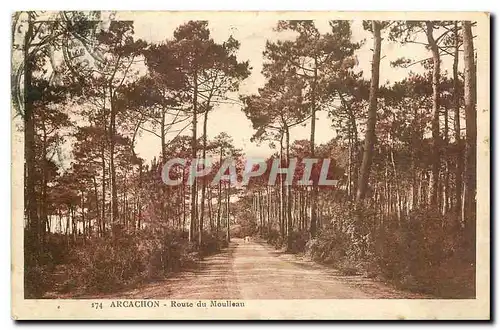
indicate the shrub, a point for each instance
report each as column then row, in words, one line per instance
column 108, row 264
column 426, row 252
column 237, row 231
column 299, row 241
column 423, row 251
column 36, row 281
column 105, row 265
column 37, row 268
column 212, row 244
column 330, row 247
column 274, row 238
column 56, row 248
column 166, row 254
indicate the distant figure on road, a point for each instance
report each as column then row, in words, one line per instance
column 247, row 239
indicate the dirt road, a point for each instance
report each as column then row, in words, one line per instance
column 251, row 270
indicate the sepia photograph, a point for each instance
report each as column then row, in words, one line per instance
column 183, row 164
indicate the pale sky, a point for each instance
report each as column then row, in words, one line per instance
column 252, row 32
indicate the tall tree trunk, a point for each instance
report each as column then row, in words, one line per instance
column 436, row 139
column 458, row 139
column 183, row 199
column 282, row 194
column 446, row 184
column 314, row 192
column 259, row 211
column 83, row 216
column 44, row 207
column 228, row 212
column 139, row 199
column 349, row 167
column 29, row 148
column 204, row 185
column 289, row 194
column 112, row 167
column 163, row 159
column 219, row 198
column 471, row 129
column 103, row 193
column 163, row 137
column 98, row 213
column 268, row 206
column 372, row 116
column 103, row 167
column 416, row 140
column 353, row 148
column 210, row 209
column 194, row 191
column 396, row 182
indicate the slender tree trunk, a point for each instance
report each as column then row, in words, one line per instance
column 194, row 142
column 29, row 148
column 66, row 229
column 396, row 184
column 83, row 216
column 349, row 168
column 259, row 213
column 96, row 197
column 353, row 148
column 204, row 185
column 446, row 184
column 125, row 203
column 414, row 173
column 219, row 198
column 269, row 202
column 314, row 192
column 210, row 209
column 471, row 129
column 73, row 224
column 282, row 194
column 458, row 139
column 228, row 212
column 436, row 139
column 112, row 167
column 103, row 168
column 372, row 116
column 183, row 199
column 289, row 194
column 164, row 159
column 139, row 199
column 44, row 202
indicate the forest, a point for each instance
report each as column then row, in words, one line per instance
column 98, row 216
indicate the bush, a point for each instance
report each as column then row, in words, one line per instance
column 105, row 265
column 36, row 281
column 165, row 255
column 330, row 247
column 237, row 231
column 212, row 244
column 426, row 252
column 274, row 238
column 37, row 268
column 108, row 264
column 298, row 241
column 56, row 248
column 423, row 251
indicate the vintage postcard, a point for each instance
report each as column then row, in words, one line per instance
column 250, row 165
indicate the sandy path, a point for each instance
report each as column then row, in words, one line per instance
column 253, row 270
